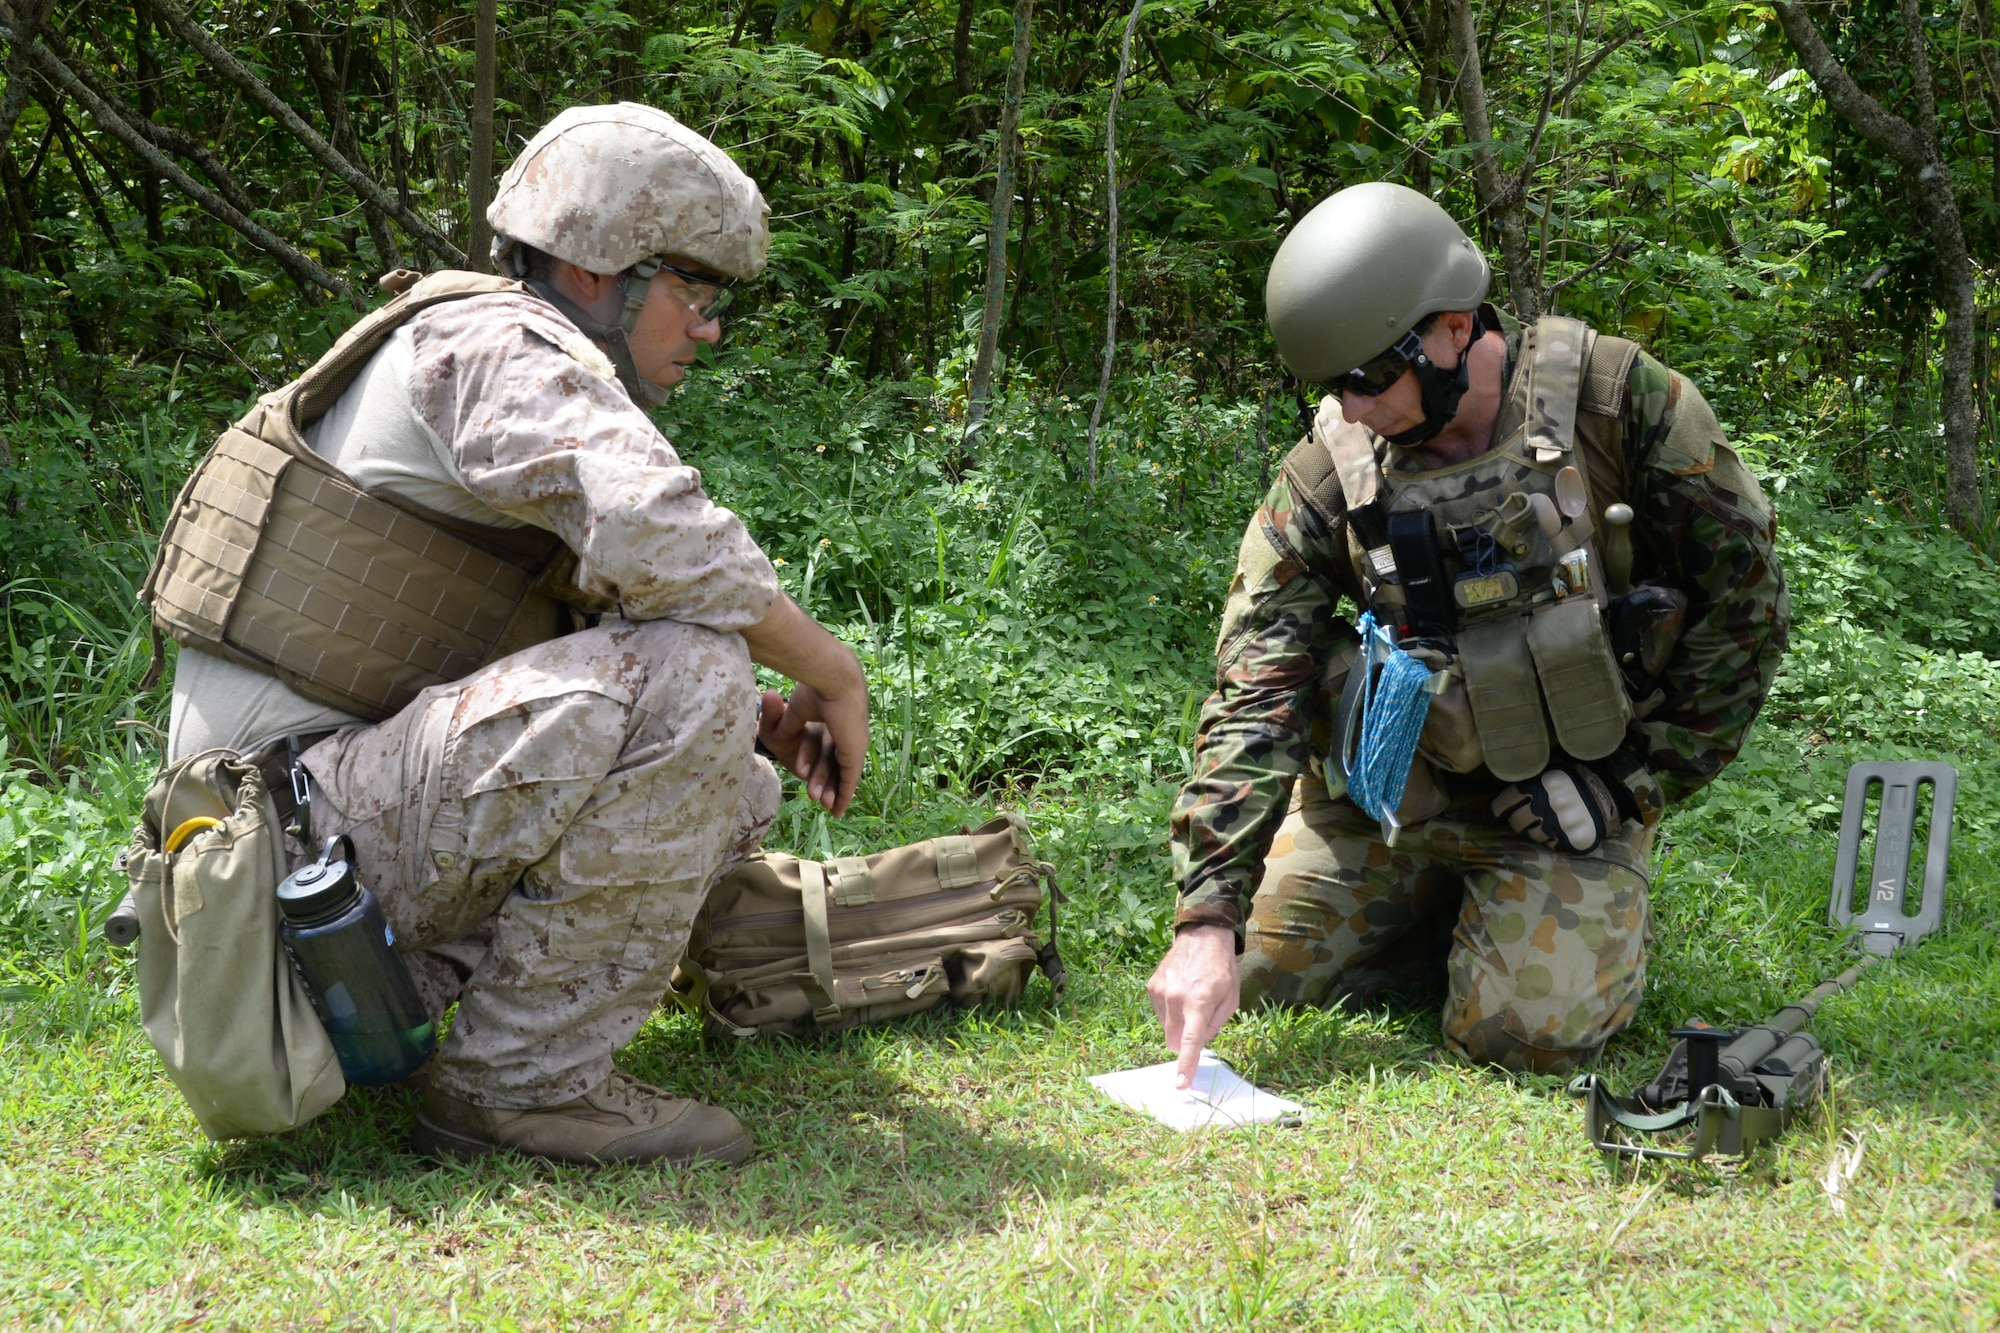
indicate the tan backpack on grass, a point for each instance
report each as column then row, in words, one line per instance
column 789, row 945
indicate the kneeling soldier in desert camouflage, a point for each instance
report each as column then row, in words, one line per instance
column 1553, row 519
column 528, row 631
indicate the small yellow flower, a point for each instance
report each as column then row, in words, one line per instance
column 826, row 541
column 1152, row 601
column 929, row 429
column 820, row 448
column 778, row 560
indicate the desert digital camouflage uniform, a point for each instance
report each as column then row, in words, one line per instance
column 544, row 830
column 1544, row 954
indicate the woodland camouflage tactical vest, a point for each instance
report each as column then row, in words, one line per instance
column 1480, row 559
column 274, row 559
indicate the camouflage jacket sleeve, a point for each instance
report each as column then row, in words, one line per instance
column 541, row 430
column 1704, row 527
column 1278, row 628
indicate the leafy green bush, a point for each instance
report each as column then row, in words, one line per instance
column 57, row 877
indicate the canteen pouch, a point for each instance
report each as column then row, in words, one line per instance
column 217, row 996
column 790, row 945
column 1585, row 689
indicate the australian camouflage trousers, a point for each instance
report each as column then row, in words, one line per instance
column 541, row 835
column 1542, row 956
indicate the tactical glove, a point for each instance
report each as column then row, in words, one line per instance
column 1568, row 807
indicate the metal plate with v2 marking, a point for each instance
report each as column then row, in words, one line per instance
column 1886, row 922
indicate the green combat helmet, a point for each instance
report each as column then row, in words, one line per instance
column 1356, row 277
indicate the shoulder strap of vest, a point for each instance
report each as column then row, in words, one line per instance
column 280, row 415
column 1600, row 406
column 1554, row 353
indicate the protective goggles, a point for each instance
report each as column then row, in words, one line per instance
column 1373, row 377
column 706, row 294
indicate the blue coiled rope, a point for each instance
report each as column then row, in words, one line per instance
column 1393, row 708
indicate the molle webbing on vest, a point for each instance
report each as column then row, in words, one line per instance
column 274, row 559
column 1600, row 406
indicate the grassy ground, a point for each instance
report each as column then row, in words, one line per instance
column 957, row 1172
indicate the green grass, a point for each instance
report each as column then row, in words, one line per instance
column 956, row 1171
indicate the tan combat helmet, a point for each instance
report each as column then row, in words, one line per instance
column 613, row 190
column 605, row 187
column 1359, row 271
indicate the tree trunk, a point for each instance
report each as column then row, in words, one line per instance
column 961, row 71
column 303, row 268
column 1499, row 197
column 1429, row 79
column 996, row 233
column 1110, row 240
column 149, row 77
column 479, row 176
column 15, row 100
column 1916, row 150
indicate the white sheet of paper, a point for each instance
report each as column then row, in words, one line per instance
column 1217, row 1096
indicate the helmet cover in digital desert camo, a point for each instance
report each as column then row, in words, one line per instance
column 605, row 187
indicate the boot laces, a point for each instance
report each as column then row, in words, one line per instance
column 634, row 1095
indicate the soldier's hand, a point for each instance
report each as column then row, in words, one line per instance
column 820, row 740
column 800, row 747
column 1194, row 991
column 1568, row 807
column 831, row 691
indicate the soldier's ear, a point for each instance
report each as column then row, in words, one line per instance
column 1459, row 322
column 581, row 285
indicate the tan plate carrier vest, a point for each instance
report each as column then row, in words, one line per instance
column 1533, row 655
column 274, row 559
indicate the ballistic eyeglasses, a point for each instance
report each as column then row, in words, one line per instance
column 710, row 293
column 1375, row 376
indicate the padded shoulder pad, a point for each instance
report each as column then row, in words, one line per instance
column 1310, row 466
column 449, row 284
column 1689, row 449
column 1604, row 387
column 1315, row 481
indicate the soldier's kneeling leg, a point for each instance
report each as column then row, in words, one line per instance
column 554, row 821
column 1339, row 917
column 1550, row 953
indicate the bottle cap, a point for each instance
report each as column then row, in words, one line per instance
column 321, row 890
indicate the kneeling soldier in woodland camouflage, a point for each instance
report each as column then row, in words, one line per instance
column 1552, row 522
column 459, row 556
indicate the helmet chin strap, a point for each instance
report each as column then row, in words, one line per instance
column 1442, row 390
column 612, row 338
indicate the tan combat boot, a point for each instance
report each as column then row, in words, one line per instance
column 621, row 1120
